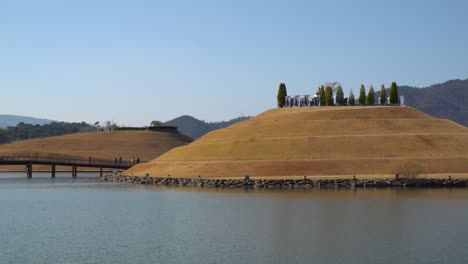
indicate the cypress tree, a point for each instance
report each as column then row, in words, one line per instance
column 351, row 100
column 362, row 95
column 394, row 93
column 322, row 96
column 282, row 93
column 329, row 96
column 370, row 99
column 339, row 96
column 383, row 95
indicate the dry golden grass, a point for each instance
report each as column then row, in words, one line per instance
column 321, row 141
column 145, row 145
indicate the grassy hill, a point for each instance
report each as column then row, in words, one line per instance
column 196, row 128
column 321, row 141
column 146, row 145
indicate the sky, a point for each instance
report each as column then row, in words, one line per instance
column 137, row 61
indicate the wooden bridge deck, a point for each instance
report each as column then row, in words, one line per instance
column 29, row 159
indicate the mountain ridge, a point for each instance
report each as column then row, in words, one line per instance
column 446, row 100
column 196, row 128
column 13, row 120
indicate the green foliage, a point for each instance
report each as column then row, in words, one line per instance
column 393, row 93
column 24, row 131
column 370, row 99
column 282, row 93
column 351, row 100
column 339, row 95
column 322, row 96
column 383, row 95
column 362, row 95
column 4, row 138
column 329, row 96
column 155, row 123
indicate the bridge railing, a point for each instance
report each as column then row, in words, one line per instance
column 61, row 158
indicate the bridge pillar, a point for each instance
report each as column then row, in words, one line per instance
column 29, row 170
column 74, row 171
column 53, row 170
column 100, row 172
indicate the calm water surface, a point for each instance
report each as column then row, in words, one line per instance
column 87, row 221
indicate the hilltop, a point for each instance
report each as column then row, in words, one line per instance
column 196, row 128
column 317, row 141
column 144, row 144
column 445, row 100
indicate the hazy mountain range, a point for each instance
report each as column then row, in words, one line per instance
column 196, row 128
column 447, row 100
column 13, row 120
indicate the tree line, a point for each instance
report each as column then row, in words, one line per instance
column 325, row 95
column 24, row 131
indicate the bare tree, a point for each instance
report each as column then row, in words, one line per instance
column 110, row 125
column 409, row 170
column 334, row 85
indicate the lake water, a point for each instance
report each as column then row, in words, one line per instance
column 86, row 221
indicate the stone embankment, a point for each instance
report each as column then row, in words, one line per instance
column 305, row 183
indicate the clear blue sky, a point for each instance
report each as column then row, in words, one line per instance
column 136, row 61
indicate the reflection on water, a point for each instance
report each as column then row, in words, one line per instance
column 82, row 220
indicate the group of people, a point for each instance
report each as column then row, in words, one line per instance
column 135, row 161
column 118, row 161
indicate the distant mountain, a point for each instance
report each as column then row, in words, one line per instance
column 196, row 128
column 448, row 100
column 13, row 120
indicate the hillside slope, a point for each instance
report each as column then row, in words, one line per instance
column 145, row 145
column 321, row 141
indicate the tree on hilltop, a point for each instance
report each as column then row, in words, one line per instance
column 393, row 93
column 351, row 100
column 362, row 95
column 282, row 93
column 322, row 96
column 339, row 96
column 329, row 96
column 383, row 95
column 155, row 123
column 370, row 99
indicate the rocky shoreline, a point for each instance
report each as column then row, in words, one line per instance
column 305, row 183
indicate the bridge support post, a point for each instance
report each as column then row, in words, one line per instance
column 29, row 170
column 100, row 172
column 74, row 171
column 53, row 170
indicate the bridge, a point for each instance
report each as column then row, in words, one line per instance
column 53, row 160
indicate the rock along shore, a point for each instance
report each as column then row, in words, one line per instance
column 305, row 183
